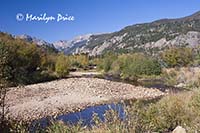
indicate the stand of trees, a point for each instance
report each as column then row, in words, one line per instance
column 24, row 63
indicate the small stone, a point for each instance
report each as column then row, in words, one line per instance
column 179, row 129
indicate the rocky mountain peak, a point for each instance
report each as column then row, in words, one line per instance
column 35, row 40
column 69, row 46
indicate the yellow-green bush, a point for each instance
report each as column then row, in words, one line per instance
column 130, row 65
column 178, row 57
column 62, row 65
column 19, row 60
column 79, row 61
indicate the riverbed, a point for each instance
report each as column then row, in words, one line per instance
column 69, row 95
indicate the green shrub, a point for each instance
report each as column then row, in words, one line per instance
column 79, row 61
column 19, row 61
column 5, row 68
column 135, row 65
column 130, row 65
column 107, row 61
column 167, row 114
column 178, row 57
column 62, row 66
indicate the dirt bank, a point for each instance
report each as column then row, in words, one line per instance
column 68, row 95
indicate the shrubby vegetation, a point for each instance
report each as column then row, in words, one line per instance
column 182, row 67
column 19, row 60
column 107, row 61
column 183, row 77
column 3, row 109
column 174, row 66
column 62, row 65
column 178, row 57
column 80, row 61
column 24, row 63
column 130, row 65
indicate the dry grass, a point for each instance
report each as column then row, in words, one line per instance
column 183, row 77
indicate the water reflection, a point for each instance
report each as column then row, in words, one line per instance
column 85, row 116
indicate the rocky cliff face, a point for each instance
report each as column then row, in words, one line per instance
column 70, row 47
column 143, row 37
column 190, row 39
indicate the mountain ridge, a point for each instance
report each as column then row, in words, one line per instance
column 155, row 35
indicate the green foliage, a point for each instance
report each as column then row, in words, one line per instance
column 131, row 65
column 196, row 56
column 48, row 62
column 24, row 63
column 79, row 61
column 106, row 62
column 139, row 64
column 178, row 57
column 60, row 127
column 3, row 108
column 62, row 65
column 4, row 63
column 167, row 114
column 19, row 61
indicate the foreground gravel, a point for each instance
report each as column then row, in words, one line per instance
column 68, row 95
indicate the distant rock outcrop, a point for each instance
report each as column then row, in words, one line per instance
column 72, row 46
column 35, row 40
column 147, row 37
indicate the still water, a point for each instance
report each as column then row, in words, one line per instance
column 85, row 116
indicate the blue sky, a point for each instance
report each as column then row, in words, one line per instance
column 91, row 16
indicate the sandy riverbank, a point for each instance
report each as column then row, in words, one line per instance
column 68, row 95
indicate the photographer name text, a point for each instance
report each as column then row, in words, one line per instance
column 44, row 17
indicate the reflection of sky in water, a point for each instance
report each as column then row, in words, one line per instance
column 85, row 116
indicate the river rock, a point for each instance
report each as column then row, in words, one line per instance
column 66, row 95
column 179, row 129
column 180, row 85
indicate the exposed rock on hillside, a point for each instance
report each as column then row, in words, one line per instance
column 145, row 37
